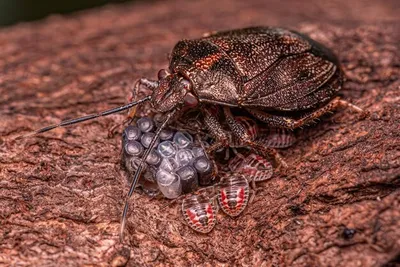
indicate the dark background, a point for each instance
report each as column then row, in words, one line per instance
column 13, row 11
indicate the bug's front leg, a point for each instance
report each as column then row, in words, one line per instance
column 149, row 84
column 137, row 88
column 240, row 132
column 216, row 130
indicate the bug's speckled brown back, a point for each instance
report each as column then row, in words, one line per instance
column 260, row 67
column 256, row 49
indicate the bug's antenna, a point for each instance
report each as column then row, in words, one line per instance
column 87, row 117
column 139, row 171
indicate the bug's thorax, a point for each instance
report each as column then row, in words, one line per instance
column 173, row 90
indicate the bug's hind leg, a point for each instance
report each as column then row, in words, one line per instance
column 346, row 104
column 289, row 123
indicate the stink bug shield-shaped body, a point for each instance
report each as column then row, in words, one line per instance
column 254, row 167
column 199, row 212
column 233, row 194
column 282, row 78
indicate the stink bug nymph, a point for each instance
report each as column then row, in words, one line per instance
column 233, row 194
column 252, row 166
column 199, row 212
column 281, row 78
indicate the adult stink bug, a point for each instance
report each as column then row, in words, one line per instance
column 280, row 77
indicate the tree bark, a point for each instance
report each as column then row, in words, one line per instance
column 62, row 192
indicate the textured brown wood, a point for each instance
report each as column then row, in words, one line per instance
column 61, row 193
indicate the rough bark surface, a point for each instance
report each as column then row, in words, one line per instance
column 61, row 193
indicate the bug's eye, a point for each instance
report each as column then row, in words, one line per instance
column 186, row 84
column 163, row 73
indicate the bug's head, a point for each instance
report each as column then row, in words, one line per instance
column 173, row 90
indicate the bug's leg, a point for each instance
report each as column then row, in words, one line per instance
column 289, row 123
column 267, row 151
column 218, row 133
column 237, row 129
column 227, row 154
column 211, row 192
column 238, row 154
column 346, row 104
column 240, row 132
column 170, row 202
column 253, row 190
column 149, row 84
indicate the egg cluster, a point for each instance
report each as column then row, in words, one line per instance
column 176, row 164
